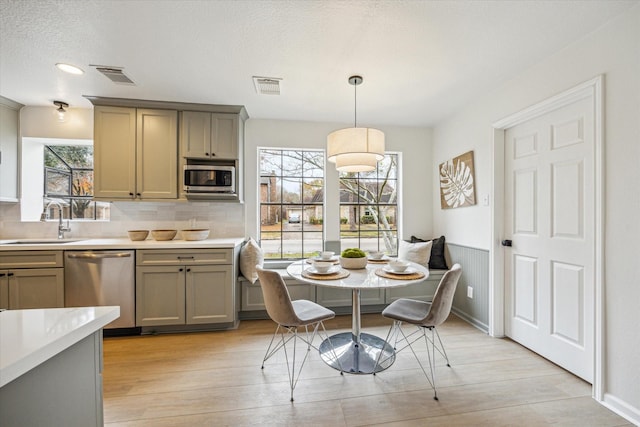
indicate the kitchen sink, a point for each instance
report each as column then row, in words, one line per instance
column 41, row 241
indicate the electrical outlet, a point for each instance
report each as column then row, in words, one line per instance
column 469, row 292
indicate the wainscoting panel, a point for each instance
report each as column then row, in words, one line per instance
column 475, row 273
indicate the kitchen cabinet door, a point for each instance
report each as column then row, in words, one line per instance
column 157, row 154
column 114, row 152
column 135, row 153
column 210, row 294
column 4, row 289
column 224, row 136
column 209, row 135
column 160, row 296
column 36, row 288
column 9, row 129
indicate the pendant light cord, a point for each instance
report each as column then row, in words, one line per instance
column 355, row 105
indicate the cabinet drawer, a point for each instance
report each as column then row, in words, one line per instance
column 31, row 259
column 184, row 257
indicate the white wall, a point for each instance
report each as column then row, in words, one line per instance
column 414, row 144
column 612, row 50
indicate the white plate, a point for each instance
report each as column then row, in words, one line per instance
column 409, row 270
column 331, row 270
column 383, row 258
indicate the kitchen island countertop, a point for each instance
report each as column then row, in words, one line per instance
column 31, row 337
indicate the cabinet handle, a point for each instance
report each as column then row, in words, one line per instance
column 188, row 270
column 182, row 269
column 206, row 154
column 213, row 154
column 2, row 275
column 138, row 194
column 131, row 194
column 10, row 275
column 186, row 257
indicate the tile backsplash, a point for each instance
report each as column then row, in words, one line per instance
column 223, row 219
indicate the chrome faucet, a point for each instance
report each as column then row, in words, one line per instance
column 45, row 216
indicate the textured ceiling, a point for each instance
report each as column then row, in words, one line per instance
column 421, row 60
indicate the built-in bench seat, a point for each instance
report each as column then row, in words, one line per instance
column 372, row 300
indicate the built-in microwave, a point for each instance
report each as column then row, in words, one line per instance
column 199, row 179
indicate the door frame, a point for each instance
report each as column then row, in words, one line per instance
column 593, row 88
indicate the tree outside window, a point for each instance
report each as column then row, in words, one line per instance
column 369, row 207
column 291, row 203
column 68, row 180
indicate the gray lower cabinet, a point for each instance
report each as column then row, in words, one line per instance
column 31, row 279
column 184, row 287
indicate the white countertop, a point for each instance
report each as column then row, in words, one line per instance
column 80, row 243
column 30, row 337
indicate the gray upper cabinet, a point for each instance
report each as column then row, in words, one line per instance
column 135, row 153
column 9, row 131
column 206, row 135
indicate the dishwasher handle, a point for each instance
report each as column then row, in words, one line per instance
column 100, row 255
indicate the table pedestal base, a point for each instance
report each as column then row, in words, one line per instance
column 357, row 358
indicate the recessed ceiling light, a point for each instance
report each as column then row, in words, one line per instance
column 69, row 68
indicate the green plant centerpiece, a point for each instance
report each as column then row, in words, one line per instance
column 353, row 258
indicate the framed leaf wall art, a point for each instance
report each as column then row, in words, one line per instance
column 457, row 182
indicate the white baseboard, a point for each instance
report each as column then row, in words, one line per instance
column 622, row 408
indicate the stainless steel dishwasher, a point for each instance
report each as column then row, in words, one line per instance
column 96, row 278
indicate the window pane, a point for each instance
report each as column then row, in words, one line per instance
column 292, row 163
column 82, row 209
column 291, row 202
column 312, row 190
column 292, row 190
column 292, row 245
column 57, row 183
column 82, row 183
column 312, row 244
column 368, row 207
column 270, row 163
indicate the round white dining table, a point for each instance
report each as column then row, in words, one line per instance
column 357, row 352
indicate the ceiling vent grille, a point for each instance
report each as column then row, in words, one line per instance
column 267, row 85
column 114, row 74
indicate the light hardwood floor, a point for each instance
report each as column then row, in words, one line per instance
column 214, row 379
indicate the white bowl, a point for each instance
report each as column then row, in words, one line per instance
column 376, row 255
column 398, row 266
column 322, row 266
column 326, row 254
column 353, row 263
column 195, row 234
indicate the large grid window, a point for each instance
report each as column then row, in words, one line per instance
column 291, row 203
column 369, row 208
column 68, row 180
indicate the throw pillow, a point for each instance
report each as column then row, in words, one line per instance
column 416, row 252
column 250, row 256
column 437, row 260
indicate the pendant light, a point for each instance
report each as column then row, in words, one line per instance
column 355, row 149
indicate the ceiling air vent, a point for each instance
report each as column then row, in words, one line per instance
column 114, row 74
column 267, row 85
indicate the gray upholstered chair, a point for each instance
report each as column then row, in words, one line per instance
column 426, row 316
column 290, row 315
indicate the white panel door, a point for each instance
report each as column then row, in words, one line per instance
column 549, row 202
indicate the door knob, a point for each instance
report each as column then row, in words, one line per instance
column 507, row 243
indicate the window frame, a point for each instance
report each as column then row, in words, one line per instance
column 308, row 225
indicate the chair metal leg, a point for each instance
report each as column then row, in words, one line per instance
column 333, row 350
column 288, row 333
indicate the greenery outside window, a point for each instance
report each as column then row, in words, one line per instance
column 369, row 207
column 291, row 189
column 68, row 180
